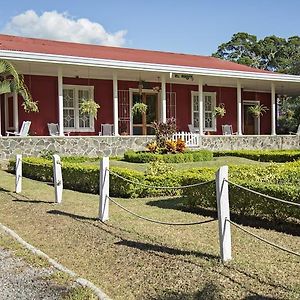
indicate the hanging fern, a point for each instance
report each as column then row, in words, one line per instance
column 89, row 107
column 139, row 108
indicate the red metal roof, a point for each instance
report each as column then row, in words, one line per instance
column 16, row 43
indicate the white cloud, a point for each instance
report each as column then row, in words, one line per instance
column 60, row 26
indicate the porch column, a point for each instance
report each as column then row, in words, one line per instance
column 239, row 108
column 60, row 103
column 163, row 99
column 273, row 110
column 200, row 102
column 116, row 104
column 16, row 111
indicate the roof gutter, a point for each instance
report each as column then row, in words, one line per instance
column 138, row 66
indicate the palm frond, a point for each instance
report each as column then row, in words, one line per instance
column 5, row 87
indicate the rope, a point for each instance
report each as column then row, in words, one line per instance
column 263, row 195
column 262, row 239
column 152, row 220
column 159, row 187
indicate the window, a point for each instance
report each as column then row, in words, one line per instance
column 74, row 120
column 209, row 102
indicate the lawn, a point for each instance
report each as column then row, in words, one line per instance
column 216, row 162
column 133, row 259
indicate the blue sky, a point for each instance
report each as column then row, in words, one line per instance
column 188, row 26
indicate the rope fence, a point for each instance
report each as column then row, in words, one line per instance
column 263, row 195
column 152, row 220
column 262, row 239
column 222, row 199
column 159, row 187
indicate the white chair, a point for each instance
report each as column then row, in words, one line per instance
column 192, row 129
column 227, row 130
column 107, row 129
column 53, row 129
column 23, row 131
column 296, row 133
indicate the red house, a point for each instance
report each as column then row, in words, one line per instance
column 60, row 75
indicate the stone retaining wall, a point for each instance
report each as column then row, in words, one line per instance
column 99, row 146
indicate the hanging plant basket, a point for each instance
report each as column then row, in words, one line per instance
column 139, row 108
column 220, row 111
column 257, row 110
column 89, row 107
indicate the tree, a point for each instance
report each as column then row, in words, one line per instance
column 11, row 81
column 273, row 54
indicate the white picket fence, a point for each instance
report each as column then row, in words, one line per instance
column 191, row 139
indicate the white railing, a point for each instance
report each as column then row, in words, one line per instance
column 191, row 139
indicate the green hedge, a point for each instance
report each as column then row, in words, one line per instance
column 277, row 181
column 263, row 155
column 188, row 156
column 281, row 181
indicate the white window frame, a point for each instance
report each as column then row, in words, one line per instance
column 76, row 128
column 214, row 119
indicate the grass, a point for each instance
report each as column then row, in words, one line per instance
column 216, row 162
column 132, row 259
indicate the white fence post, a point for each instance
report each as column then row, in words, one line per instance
column 223, row 213
column 57, row 178
column 18, row 173
column 104, row 189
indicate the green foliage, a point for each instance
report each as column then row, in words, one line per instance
column 11, row 81
column 47, row 153
column 189, row 156
column 139, row 108
column 90, row 107
column 280, row 180
column 277, row 181
column 263, row 155
column 220, row 111
column 159, row 167
column 257, row 110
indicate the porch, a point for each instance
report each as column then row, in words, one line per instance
column 186, row 87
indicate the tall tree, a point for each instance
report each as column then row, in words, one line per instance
column 11, row 81
column 271, row 53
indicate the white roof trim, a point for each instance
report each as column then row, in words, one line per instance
column 129, row 65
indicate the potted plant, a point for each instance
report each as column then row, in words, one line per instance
column 220, row 111
column 90, row 107
column 257, row 110
column 139, row 108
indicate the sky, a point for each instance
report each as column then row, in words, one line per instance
column 184, row 26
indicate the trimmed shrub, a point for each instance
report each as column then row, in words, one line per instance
column 280, row 180
column 263, row 155
column 189, row 156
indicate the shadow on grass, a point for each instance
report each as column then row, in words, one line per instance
column 164, row 249
column 135, row 244
column 63, row 213
column 4, row 190
column 32, row 201
column 251, row 221
column 210, row 291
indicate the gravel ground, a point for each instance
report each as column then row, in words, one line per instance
column 18, row 280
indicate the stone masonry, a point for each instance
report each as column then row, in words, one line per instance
column 112, row 146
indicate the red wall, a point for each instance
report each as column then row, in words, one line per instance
column 44, row 90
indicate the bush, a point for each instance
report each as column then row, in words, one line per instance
column 189, row 156
column 277, row 181
column 263, row 155
column 281, row 181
